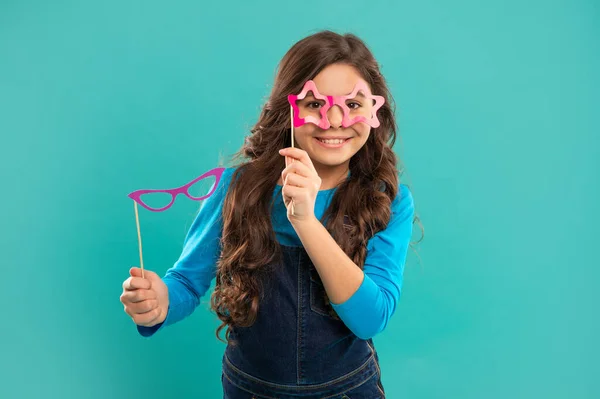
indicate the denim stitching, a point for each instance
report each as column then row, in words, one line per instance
column 244, row 389
column 380, row 389
column 354, row 386
column 379, row 385
column 325, row 397
column 303, row 387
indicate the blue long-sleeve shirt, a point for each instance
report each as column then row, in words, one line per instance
column 365, row 313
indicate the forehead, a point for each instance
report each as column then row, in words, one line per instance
column 337, row 80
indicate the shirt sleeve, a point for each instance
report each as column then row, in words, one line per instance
column 191, row 275
column 368, row 310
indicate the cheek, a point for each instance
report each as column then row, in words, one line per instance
column 304, row 132
column 302, row 136
column 362, row 130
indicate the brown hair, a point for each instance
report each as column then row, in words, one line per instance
column 248, row 241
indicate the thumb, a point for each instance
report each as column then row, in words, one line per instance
column 136, row 271
column 148, row 274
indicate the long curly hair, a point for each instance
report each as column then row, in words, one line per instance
column 248, row 241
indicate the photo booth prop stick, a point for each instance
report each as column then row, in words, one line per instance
column 137, row 222
column 292, row 123
column 137, row 195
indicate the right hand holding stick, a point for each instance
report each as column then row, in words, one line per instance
column 145, row 299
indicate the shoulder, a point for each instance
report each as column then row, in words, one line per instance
column 403, row 205
column 401, row 219
column 227, row 172
column 224, row 180
column 400, row 224
column 226, row 176
column 393, row 240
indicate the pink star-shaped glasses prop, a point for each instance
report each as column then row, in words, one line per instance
column 330, row 101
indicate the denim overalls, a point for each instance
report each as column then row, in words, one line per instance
column 295, row 349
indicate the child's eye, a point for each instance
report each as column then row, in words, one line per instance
column 313, row 104
column 353, row 105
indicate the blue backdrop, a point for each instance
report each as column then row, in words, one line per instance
column 498, row 113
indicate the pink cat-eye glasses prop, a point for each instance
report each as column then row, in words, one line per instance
column 136, row 196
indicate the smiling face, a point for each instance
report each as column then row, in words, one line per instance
column 336, row 105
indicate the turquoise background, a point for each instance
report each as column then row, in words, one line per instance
column 498, row 111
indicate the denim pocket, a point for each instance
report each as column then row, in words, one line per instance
column 318, row 303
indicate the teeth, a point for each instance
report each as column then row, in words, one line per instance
column 337, row 141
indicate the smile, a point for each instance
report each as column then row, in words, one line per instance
column 335, row 143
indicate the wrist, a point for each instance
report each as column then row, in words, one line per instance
column 305, row 224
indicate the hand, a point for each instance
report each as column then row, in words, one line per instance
column 301, row 184
column 146, row 300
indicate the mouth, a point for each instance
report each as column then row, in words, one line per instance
column 333, row 142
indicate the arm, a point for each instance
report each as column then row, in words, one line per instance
column 191, row 275
column 364, row 299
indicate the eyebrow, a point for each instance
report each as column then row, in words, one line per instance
column 310, row 95
column 360, row 95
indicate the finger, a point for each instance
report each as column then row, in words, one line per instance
column 291, row 192
column 138, row 295
column 134, row 283
column 139, row 308
column 291, row 154
column 148, row 318
column 293, row 179
column 304, row 170
column 299, row 155
column 135, row 272
column 144, row 306
column 152, row 276
column 143, row 295
column 298, row 168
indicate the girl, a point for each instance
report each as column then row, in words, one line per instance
column 307, row 241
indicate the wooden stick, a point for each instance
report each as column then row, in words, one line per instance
column 292, row 123
column 137, row 222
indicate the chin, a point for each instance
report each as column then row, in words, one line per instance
column 329, row 161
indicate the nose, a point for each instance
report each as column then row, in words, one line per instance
column 335, row 114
